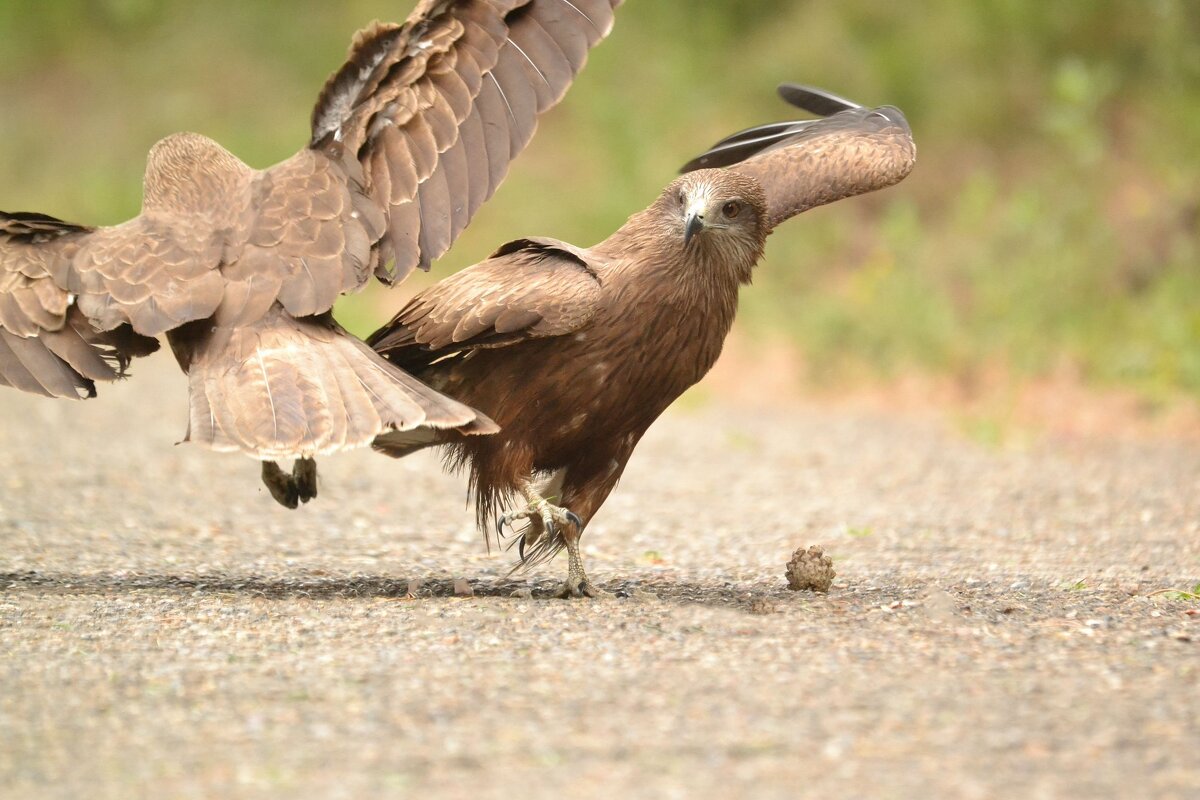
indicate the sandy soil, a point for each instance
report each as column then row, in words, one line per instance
column 997, row 627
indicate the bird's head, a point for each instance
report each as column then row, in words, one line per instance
column 191, row 173
column 718, row 215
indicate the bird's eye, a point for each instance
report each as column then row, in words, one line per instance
column 731, row 209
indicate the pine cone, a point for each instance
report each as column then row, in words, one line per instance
column 810, row 569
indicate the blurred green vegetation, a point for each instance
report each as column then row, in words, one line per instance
column 1052, row 218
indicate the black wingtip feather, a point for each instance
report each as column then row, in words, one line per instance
column 32, row 227
column 746, row 143
column 814, row 100
column 740, row 146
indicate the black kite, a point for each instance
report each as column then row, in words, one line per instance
column 574, row 351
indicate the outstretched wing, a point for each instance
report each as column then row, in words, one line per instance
column 436, row 108
column 808, row 163
column 850, row 153
column 529, row 288
column 47, row 346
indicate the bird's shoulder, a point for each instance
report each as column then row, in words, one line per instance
column 528, row 288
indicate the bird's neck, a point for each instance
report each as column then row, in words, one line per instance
column 647, row 263
column 684, row 302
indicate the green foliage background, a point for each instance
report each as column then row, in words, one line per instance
column 1052, row 217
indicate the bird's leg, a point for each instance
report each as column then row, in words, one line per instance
column 577, row 583
column 551, row 527
column 291, row 490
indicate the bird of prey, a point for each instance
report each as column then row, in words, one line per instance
column 239, row 268
column 575, row 351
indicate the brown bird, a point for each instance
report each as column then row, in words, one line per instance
column 239, row 268
column 574, row 352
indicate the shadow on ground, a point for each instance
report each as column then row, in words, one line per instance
column 373, row 586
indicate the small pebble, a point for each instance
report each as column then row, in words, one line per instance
column 810, row 570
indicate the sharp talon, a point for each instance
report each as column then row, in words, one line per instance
column 575, row 520
column 521, row 548
column 500, row 526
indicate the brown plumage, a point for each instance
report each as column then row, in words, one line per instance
column 574, row 352
column 239, row 268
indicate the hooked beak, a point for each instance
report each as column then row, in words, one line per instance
column 695, row 224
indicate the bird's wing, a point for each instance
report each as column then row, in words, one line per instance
column 808, row 163
column 436, row 108
column 306, row 237
column 300, row 233
column 153, row 272
column 34, row 249
column 47, row 345
column 529, row 288
column 850, row 153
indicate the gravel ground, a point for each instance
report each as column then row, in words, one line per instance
column 168, row 631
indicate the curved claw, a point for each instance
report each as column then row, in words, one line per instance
column 521, row 549
column 500, row 520
column 575, row 520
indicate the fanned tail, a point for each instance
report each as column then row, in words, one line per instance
column 290, row 388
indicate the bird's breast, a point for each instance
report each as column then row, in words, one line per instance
column 597, row 389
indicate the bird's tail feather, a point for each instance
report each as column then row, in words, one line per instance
column 287, row 388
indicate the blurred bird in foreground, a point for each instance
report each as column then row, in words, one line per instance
column 239, row 268
column 574, row 351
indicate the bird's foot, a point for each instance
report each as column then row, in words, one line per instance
column 545, row 518
column 280, row 485
column 304, row 475
column 550, row 528
column 291, row 490
column 577, row 583
column 573, row 588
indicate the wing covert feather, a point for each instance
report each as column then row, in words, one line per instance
column 46, row 345
column 530, row 288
